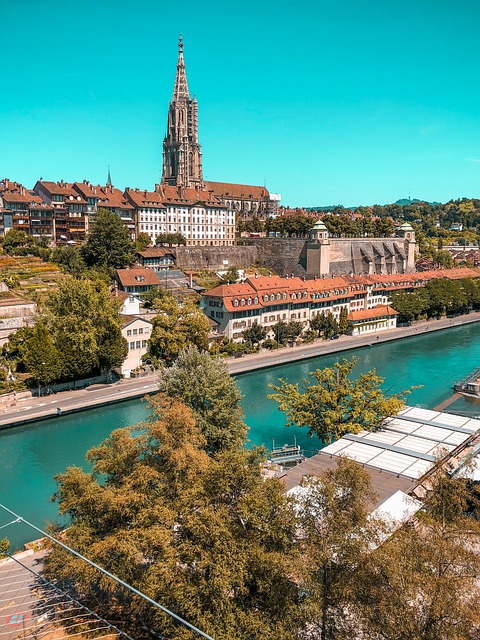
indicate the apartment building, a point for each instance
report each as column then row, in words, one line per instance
column 267, row 300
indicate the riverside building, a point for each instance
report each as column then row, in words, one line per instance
column 266, row 300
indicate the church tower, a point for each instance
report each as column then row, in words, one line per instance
column 182, row 158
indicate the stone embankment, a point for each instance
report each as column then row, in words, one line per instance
column 21, row 410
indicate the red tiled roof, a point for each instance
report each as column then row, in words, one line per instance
column 379, row 311
column 243, row 191
column 129, row 277
column 156, row 252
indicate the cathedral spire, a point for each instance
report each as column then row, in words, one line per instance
column 182, row 158
column 109, row 179
column 180, row 89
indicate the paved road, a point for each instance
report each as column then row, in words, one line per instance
column 33, row 409
column 290, row 354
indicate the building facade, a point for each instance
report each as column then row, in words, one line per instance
column 266, row 300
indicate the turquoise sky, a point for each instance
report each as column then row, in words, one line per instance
column 353, row 102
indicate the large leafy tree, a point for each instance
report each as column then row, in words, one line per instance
column 336, row 536
column 177, row 326
column 207, row 537
column 205, row 386
column 335, row 404
column 41, row 357
column 108, row 244
column 433, row 570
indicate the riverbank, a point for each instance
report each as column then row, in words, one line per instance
column 33, row 409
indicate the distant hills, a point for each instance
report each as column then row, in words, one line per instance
column 402, row 202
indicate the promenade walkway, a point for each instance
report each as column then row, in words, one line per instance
column 33, row 408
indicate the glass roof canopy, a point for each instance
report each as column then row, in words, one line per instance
column 408, row 443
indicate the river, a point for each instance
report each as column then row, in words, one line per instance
column 31, row 455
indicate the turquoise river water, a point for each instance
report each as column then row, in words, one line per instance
column 31, row 455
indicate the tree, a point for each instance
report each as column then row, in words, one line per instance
column 432, row 567
column 343, row 321
column 205, row 386
column 336, row 537
column 207, row 537
column 84, row 325
column 41, row 358
column 108, row 244
column 14, row 238
column 171, row 239
column 325, row 324
column 335, row 404
column 175, row 327
column 142, row 242
column 255, row 334
column 4, row 547
column 410, row 305
column 70, row 260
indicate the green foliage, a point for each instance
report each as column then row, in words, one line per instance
column 171, row 239
column 142, row 242
column 175, row 327
column 207, row 537
column 287, row 331
column 433, row 568
column 14, row 238
column 440, row 296
column 11, row 280
column 326, row 325
column 205, row 386
column 108, row 244
column 4, row 547
column 77, row 334
column 335, row 405
column 337, row 535
column 255, row 334
column 343, row 321
column 69, row 259
column 41, row 358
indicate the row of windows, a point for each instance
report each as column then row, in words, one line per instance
column 134, row 332
column 138, row 345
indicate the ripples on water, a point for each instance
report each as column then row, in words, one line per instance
column 31, row 455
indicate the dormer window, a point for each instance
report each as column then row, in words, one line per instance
column 242, row 302
column 235, row 303
column 294, row 297
column 272, row 297
column 249, row 301
column 305, row 294
column 279, row 297
column 265, row 298
column 284, row 295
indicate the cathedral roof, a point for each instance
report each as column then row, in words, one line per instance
column 244, row 191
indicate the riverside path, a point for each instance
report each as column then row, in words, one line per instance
column 32, row 409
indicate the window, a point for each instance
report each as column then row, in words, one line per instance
column 137, row 344
column 235, row 303
column 135, row 331
column 144, row 344
column 132, row 345
column 146, row 330
column 129, row 332
column 140, row 331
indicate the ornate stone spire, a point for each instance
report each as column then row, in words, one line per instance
column 180, row 89
column 182, row 158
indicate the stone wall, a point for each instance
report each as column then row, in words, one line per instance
column 198, row 258
column 283, row 255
